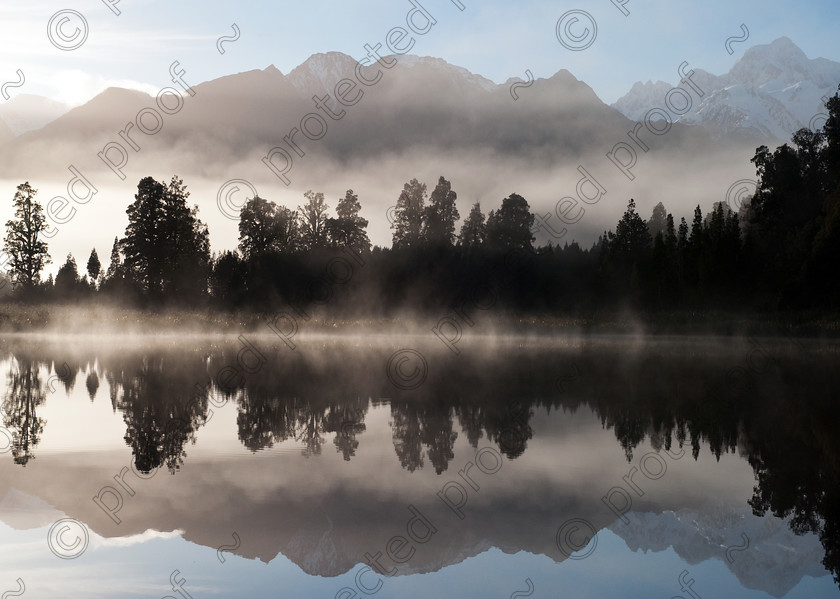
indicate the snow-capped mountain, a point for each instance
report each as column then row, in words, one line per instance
column 771, row 558
column 771, row 92
column 641, row 98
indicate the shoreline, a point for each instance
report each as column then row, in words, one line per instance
column 65, row 319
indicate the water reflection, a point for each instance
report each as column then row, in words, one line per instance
column 25, row 392
column 773, row 403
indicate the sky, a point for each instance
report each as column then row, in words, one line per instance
column 93, row 47
column 71, row 51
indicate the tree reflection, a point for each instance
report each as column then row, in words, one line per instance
column 794, row 449
column 406, row 430
column 430, row 426
column 264, row 419
column 310, row 428
column 92, row 383
column 160, row 409
column 346, row 421
column 25, row 392
column 783, row 420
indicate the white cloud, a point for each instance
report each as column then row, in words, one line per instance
column 75, row 87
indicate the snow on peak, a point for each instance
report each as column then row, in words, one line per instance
column 771, row 91
column 779, row 62
column 322, row 71
column 641, row 98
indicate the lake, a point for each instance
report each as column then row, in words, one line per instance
column 359, row 466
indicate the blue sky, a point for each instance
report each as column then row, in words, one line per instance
column 497, row 39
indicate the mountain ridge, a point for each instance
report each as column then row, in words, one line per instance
column 772, row 91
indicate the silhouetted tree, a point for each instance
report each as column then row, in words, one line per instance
column 696, row 238
column 792, row 237
column 778, row 252
column 348, row 229
column 474, row 230
column 259, row 228
column 510, row 226
column 67, row 278
column 115, row 266
column 94, row 267
column 632, row 239
column 188, row 240
column 408, row 216
column 670, row 232
column 658, row 221
column 114, row 282
column 288, row 230
column 831, row 135
column 313, row 221
column 440, row 216
column 28, row 253
column 143, row 245
column 629, row 249
column 229, row 279
column 166, row 247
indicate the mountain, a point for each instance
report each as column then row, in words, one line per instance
column 6, row 134
column 416, row 117
column 420, row 104
column 775, row 560
column 27, row 112
column 24, row 511
column 329, row 534
column 771, row 92
column 641, row 98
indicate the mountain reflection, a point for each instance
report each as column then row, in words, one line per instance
column 775, row 405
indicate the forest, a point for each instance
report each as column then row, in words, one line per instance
column 777, row 253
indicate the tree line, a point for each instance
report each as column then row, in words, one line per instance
column 777, row 252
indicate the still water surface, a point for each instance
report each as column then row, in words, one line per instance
column 353, row 467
